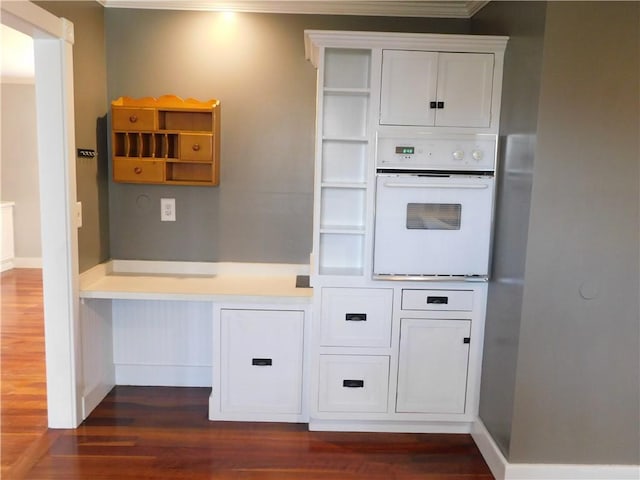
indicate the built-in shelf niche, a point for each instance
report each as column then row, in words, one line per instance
column 346, row 100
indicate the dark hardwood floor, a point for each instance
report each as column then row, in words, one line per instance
column 163, row 433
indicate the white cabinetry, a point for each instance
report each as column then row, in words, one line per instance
column 385, row 355
column 415, row 366
column 356, row 317
column 436, row 89
column 353, row 383
column 432, row 366
column 258, row 365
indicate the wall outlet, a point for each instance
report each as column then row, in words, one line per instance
column 167, row 209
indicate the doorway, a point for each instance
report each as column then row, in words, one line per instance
column 53, row 41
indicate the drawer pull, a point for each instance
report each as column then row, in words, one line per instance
column 356, row 317
column 133, row 119
column 353, row 383
column 262, row 362
column 466, row 340
column 137, row 170
column 195, row 147
column 438, row 300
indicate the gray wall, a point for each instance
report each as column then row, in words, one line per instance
column 90, row 98
column 578, row 378
column 262, row 210
column 19, row 171
column 567, row 331
column 523, row 22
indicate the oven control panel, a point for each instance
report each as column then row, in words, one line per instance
column 436, row 152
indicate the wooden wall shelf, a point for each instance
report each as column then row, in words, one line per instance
column 166, row 140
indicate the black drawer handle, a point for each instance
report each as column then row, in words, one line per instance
column 356, row 317
column 466, row 340
column 353, row 383
column 262, row 362
column 438, row 300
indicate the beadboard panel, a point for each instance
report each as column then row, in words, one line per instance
column 97, row 353
column 163, row 337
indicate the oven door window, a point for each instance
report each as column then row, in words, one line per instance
column 433, row 216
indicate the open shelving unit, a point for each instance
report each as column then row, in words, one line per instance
column 345, row 148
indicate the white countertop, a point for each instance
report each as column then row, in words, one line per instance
column 195, row 287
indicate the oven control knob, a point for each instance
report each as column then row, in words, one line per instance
column 477, row 155
column 458, row 154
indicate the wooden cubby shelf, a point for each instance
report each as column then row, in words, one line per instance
column 166, row 140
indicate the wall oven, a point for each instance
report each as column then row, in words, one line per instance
column 434, row 205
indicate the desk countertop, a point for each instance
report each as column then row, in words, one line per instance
column 222, row 287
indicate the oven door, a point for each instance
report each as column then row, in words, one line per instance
column 432, row 225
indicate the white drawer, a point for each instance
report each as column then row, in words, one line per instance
column 261, row 361
column 356, row 317
column 353, row 383
column 437, row 300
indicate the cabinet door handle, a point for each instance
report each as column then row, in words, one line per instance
column 353, row 383
column 133, row 119
column 137, row 170
column 433, row 104
column 438, row 300
column 195, row 147
column 440, row 105
column 355, row 317
column 262, row 362
column 466, row 340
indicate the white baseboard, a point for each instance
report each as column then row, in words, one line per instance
column 163, row 375
column 27, row 262
column 93, row 396
column 503, row 470
column 6, row 265
column 489, row 449
column 389, row 426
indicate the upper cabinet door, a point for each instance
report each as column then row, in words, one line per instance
column 436, row 89
column 465, row 82
column 408, row 86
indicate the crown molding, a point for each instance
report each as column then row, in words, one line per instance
column 388, row 8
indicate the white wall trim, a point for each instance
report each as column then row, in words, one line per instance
column 389, row 426
column 398, row 8
column 93, row 396
column 489, row 449
column 6, row 265
column 53, row 56
column 503, row 470
column 163, row 375
column 27, row 262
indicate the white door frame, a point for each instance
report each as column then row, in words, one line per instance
column 53, row 43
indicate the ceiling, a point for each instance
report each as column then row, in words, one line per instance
column 16, row 55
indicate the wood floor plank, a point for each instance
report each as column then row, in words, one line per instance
column 164, row 433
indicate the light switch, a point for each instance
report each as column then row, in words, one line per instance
column 78, row 214
column 167, row 209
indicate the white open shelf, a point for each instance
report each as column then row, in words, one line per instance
column 346, row 99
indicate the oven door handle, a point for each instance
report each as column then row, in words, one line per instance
column 473, row 186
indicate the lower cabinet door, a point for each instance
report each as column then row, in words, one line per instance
column 432, row 368
column 261, row 361
column 353, row 383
